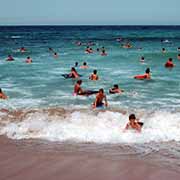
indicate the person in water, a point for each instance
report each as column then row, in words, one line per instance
column 22, row 49
column 73, row 73
column 169, row 63
column 134, row 123
column 2, row 95
column 84, row 66
column 94, row 76
column 142, row 59
column 163, row 50
column 88, row 50
column 10, row 58
column 99, row 99
column 76, row 64
column 178, row 56
column 77, row 88
column 147, row 75
column 51, row 49
column 55, row 55
column 103, row 53
column 28, row 60
column 115, row 90
column 178, row 48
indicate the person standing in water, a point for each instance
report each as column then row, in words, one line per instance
column 99, row 99
column 94, row 76
column 73, row 73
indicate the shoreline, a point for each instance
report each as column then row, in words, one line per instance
column 21, row 160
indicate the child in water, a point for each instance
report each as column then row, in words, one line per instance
column 134, row 123
column 115, row 90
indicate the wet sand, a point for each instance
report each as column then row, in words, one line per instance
column 20, row 161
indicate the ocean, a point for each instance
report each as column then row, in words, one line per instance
column 41, row 104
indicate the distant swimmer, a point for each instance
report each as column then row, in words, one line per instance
column 88, row 50
column 76, row 64
column 55, row 55
column 163, row 50
column 78, row 43
column 115, row 90
column 73, row 73
column 84, row 66
column 134, row 123
column 127, row 46
column 94, row 76
column 178, row 56
column 10, row 58
column 23, row 50
column 169, row 63
column 103, row 53
column 100, row 97
column 51, row 49
column 142, row 59
column 147, row 75
column 28, row 60
column 2, row 95
column 178, row 49
column 79, row 91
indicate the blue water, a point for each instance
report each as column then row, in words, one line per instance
column 40, row 84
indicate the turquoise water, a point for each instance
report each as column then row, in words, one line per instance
column 40, row 84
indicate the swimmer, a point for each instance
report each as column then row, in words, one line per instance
column 163, row 50
column 103, row 53
column 84, row 66
column 76, row 64
column 73, row 73
column 22, row 49
column 147, row 75
column 99, row 99
column 178, row 56
column 55, row 55
column 97, row 49
column 142, row 59
column 178, row 49
column 78, row 43
column 51, row 49
column 77, row 88
column 115, row 90
column 88, row 50
column 94, row 76
column 169, row 63
column 28, row 60
column 134, row 123
column 2, row 95
column 10, row 58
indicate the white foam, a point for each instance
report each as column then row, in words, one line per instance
column 105, row 127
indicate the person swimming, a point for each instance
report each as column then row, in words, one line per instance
column 22, row 49
column 103, row 53
column 2, row 95
column 55, row 55
column 28, row 60
column 99, row 99
column 73, row 73
column 115, row 90
column 163, row 50
column 84, row 66
column 134, row 123
column 178, row 56
column 10, row 58
column 169, row 63
column 76, row 64
column 147, row 75
column 94, row 76
column 77, row 88
column 88, row 50
column 142, row 59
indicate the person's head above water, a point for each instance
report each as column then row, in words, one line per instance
column 132, row 117
column 95, row 71
column 116, row 86
column 84, row 64
column 170, row 59
column 79, row 82
column 0, row 90
column 142, row 57
column 73, row 69
column 148, row 70
column 76, row 64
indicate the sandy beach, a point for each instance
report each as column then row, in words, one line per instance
column 20, row 160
